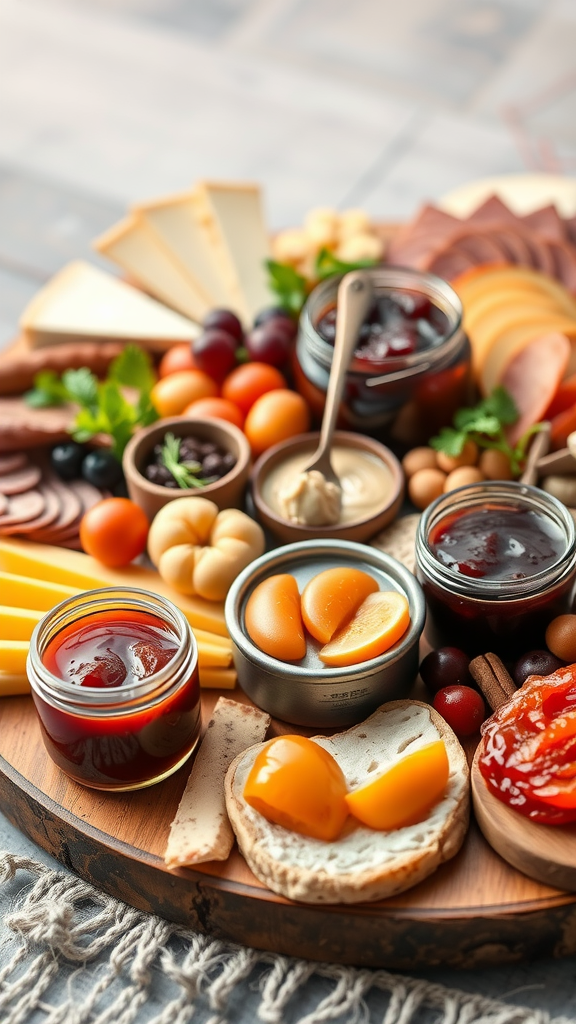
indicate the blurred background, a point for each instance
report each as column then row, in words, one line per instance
column 375, row 103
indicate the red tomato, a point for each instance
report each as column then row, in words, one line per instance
column 114, row 531
column 247, row 382
column 179, row 357
column 216, row 409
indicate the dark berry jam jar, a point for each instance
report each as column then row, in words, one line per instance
column 411, row 368
column 497, row 562
column 114, row 677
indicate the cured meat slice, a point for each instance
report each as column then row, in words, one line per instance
column 514, row 243
column 482, row 246
column 547, row 223
column 3, row 504
column 21, row 509
column 49, row 515
column 493, row 210
column 450, row 264
column 11, row 463
column 70, row 511
column 541, row 254
column 532, row 378
column 430, row 228
column 565, row 263
column 570, row 223
column 20, row 480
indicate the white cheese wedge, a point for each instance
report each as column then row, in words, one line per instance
column 138, row 250
column 84, row 303
column 234, row 214
column 176, row 224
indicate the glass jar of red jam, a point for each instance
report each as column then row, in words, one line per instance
column 411, row 368
column 497, row 562
column 114, row 677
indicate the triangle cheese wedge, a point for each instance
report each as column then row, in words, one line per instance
column 233, row 214
column 135, row 247
column 82, row 302
column 175, row 223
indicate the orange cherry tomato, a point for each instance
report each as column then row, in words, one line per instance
column 404, row 793
column 331, row 598
column 114, row 531
column 296, row 783
column 170, row 395
column 273, row 619
column 275, row 417
column 250, row 380
column 177, row 358
column 216, row 409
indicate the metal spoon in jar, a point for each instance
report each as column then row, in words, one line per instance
column 355, row 296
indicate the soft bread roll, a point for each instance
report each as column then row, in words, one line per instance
column 362, row 864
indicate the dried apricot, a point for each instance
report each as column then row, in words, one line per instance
column 332, row 597
column 273, row 618
column 375, row 627
column 403, row 793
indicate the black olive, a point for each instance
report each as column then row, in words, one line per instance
column 228, row 461
column 212, row 465
column 158, row 474
column 102, row 469
column 67, row 459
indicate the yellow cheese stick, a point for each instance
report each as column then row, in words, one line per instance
column 13, row 654
column 11, row 685
column 213, row 638
column 75, row 569
column 218, row 678
column 18, row 623
column 25, row 592
column 212, row 656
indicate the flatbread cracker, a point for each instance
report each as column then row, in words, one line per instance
column 201, row 831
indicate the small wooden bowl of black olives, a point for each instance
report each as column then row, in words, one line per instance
column 182, row 456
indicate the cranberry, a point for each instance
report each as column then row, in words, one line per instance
column 461, row 707
column 448, row 666
column 535, row 663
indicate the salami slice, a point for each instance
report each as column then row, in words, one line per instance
column 48, row 516
column 70, row 511
column 12, row 462
column 20, row 480
column 21, row 509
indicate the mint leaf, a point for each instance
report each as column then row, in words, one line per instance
column 48, row 390
column 82, row 387
column 327, row 264
column 449, row 441
column 133, row 367
column 501, row 404
column 288, row 285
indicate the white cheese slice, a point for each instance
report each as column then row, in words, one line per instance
column 82, row 302
column 175, row 222
column 137, row 249
column 239, row 237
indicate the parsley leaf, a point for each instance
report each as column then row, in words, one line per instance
column 328, row 264
column 48, row 390
column 288, row 285
column 449, row 441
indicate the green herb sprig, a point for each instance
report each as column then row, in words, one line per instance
column 103, row 407
column 485, row 425
column 291, row 288
column 184, row 473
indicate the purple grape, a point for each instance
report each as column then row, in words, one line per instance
column 224, row 320
column 215, row 353
column 270, row 343
column 535, row 663
column 447, row 666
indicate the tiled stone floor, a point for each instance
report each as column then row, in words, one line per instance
column 377, row 102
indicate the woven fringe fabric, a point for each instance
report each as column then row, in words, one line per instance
column 76, row 956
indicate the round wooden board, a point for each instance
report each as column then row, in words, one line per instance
column 473, row 911
column 545, row 854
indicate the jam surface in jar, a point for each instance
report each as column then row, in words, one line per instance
column 107, row 651
column 135, row 738
column 528, row 753
column 399, row 323
column 497, row 543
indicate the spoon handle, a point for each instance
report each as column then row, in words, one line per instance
column 354, row 299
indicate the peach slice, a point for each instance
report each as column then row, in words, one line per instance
column 332, row 597
column 297, row 784
column 404, row 793
column 377, row 624
column 273, row 618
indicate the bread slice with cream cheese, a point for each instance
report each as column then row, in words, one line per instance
column 362, row 864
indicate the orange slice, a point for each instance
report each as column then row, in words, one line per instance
column 273, row 619
column 296, row 783
column 404, row 793
column 377, row 624
column 332, row 597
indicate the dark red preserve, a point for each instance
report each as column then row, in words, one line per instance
column 116, row 688
column 497, row 562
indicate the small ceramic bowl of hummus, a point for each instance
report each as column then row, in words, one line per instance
column 295, row 506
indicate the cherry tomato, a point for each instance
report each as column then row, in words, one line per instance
column 114, row 531
column 247, row 382
column 462, row 707
column 177, row 358
column 172, row 394
column 216, row 409
column 274, row 417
